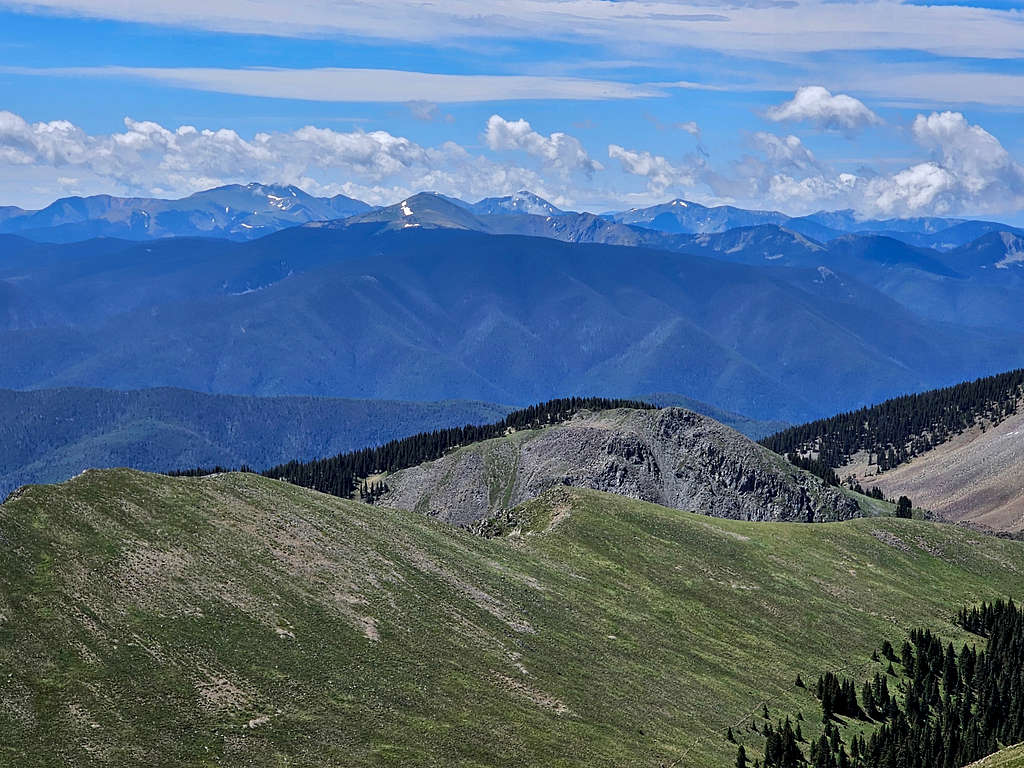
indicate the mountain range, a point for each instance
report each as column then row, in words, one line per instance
column 420, row 313
column 239, row 212
column 971, row 281
column 253, row 210
column 513, row 300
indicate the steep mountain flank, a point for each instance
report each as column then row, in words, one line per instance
column 236, row 621
column 976, row 476
column 903, row 427
column 671, row 457
column 957, row 451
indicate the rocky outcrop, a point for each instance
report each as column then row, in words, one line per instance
column 672, row 457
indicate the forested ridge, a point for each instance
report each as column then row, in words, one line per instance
column 899, row 429
column 341, row 475
column 49, row 435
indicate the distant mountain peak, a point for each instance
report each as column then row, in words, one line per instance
column 687, row 217
column 522, row 202
column 237, row 211
column 424, row 209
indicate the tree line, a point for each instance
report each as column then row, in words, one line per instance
column 895, row 431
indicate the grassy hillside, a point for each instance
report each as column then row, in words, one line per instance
column 51, row 435
column 977, row 476
column 235, row 620
column 1012, row 757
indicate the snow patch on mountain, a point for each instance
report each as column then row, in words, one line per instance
column 1014, row 250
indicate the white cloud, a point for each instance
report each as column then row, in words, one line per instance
column 771, row 29
column 969, row 172
column 818, row 106
column 690, row 127
column 148, row 158
column 922, row 188
column 660, row 173
column 903, row 84
column 558, row 150
column 963, row 169
column 783, row 152
column 360, row 85
column 428, row 111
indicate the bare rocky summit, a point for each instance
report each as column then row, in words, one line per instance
column 672, row 457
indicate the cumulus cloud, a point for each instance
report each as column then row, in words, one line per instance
column 963, row 169
column 787, row 151
column 149, row 158
column 968, row 172
column 557, row 150
column 661, row 174
column 428, row 112
column 818, row 106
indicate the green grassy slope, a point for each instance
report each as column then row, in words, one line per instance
column 235, row 620
column 1013, row 757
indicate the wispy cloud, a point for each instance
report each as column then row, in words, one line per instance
column 897, row 84
column 362, row 85
column 759, row 28
column 938, row 85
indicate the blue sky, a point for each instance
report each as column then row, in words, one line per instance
column 892, row 108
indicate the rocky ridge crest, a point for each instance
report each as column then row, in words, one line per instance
column 672, row 457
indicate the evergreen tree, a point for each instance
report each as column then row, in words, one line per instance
column 904, row 507
column 953, row 709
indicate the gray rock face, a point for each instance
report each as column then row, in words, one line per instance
column 672, row 457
